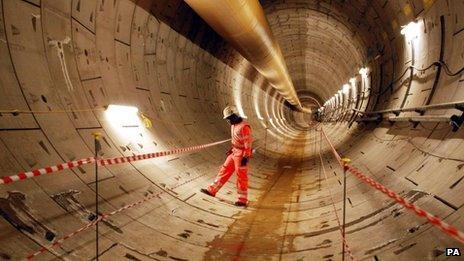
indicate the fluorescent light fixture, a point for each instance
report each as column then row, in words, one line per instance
column 411, row 30
column 122, row 115
column 364, row 71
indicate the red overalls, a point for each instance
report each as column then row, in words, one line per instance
column 241, row 147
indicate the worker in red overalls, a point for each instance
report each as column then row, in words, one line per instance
column 237, row 157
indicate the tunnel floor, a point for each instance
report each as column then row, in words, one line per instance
column 261, row 231
column 290, row 215
column 282, row 192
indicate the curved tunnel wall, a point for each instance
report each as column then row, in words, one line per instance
column 116, row 52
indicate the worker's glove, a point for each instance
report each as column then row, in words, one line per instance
column 229, row 152
column 244, row 161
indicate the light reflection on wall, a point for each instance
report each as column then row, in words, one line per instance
column 120, row 116
column 125, row 123
column 237, row 95
column 256, row 94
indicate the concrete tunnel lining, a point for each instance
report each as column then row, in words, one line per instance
column 161, row 57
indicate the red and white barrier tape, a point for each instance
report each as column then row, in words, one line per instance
column 118, row 160
column 101, row 162
column 445, row 227
column 337, row 156
column 434, row 220
column 104, row 217
column 61, row 240
column 348, row 249
column 46, row 170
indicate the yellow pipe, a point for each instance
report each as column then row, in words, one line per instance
column 243, row 24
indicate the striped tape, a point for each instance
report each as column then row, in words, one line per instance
column 61, row 240
column 345, row 242
column 432, row 219
column 101, row 162
column 118, row 160
column 104, row 217
column 46, row 170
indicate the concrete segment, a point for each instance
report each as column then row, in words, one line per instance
column 62, row 58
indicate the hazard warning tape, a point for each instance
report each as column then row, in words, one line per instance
column 432, row 219
column 118, row 160
column 345, row 243
column 101, row 162
column 60, row 241
column 46, row 170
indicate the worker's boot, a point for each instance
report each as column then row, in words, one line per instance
column 206, row 192
column 240, row 204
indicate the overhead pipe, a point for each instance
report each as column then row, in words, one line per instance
column 243, row 24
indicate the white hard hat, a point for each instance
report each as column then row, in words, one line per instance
column 229, row 110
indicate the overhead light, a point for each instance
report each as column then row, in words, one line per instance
column 363, row 72
column 346, row 88
column 112, row 108
column 411, row 30
column 124, row 116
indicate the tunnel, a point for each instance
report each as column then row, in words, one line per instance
column 378, row 84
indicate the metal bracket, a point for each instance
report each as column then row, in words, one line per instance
column 421, row 112
column 455, row 120
column 379, row 118
column 414, row 123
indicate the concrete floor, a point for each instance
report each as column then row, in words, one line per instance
column 66, row 60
